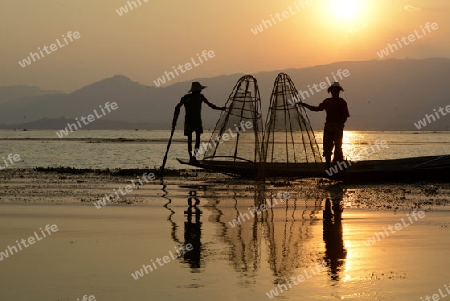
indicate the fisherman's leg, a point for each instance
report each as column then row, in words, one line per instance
column 196, row 147
column 338, row 154
column 197, row 141
column 190, row 146
column 327, row 147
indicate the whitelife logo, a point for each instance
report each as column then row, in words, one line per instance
column 129, row 188
column 86, row 298
column 91, row 118
column 430, row 118
column 280, row 288
column 411, row 38
column 12, row 159
column 31, row 240
column 220, row 139
column 319, row 87
column 342, row 165
column 53, row 47
column 256, row 210
column 183, row 249
column 124, row 9
column 168, row 76
column 398, row 226
column 266, row 24
column 436, row 297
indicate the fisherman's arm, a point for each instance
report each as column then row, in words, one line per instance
column 177, row 112
column 312, row 108
column 346, row 114
column 213, row 106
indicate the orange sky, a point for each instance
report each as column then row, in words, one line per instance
column 147, row 41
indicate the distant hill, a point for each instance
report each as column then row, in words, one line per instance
column 382, row 95
column 8, row 93
column 61, row 123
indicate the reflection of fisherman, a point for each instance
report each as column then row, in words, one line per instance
column 337, row 114
column 335, row 252
column 193, row 233
column 193, row 119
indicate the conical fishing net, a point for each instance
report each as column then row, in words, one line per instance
column 288, row 136
column 238, row 133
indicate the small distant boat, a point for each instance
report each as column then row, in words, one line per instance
column 286, row 146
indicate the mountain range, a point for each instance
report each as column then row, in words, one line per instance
column 388, row 94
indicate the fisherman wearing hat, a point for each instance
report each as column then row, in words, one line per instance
column 193, row 119
column 337, row 114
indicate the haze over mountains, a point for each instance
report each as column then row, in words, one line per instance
column 382, row 95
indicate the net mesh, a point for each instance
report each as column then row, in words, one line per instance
column 238, row 133
column 288, row 136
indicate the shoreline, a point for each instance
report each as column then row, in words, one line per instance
column 65, row 185
column 197, row 174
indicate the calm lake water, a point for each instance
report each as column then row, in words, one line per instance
column 147, row 148
column 97, row 251
column 302, row 248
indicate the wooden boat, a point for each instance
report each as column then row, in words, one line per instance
column 286, row 145
column 429, row 168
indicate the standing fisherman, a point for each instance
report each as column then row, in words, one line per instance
column 193, row 119
column 337, row 114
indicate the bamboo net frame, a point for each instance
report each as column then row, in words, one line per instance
column 288, row 137
column 239, row 128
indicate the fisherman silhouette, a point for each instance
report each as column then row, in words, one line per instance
column 337, row 114
column 193, row 119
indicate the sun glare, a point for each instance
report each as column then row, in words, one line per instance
column 345, row 9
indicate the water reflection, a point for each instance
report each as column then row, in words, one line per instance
column 288, row 230
column 280, row 238
column 245, row 238
column 173, row 228
column 192, row 228
column 335, row 252
column 193, row 231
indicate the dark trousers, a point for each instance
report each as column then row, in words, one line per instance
column 332, row 138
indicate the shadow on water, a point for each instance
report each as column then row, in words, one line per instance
column 193, row 231
column 335, row 252
column 173, row 232
column 278, row 235
column 192, row 227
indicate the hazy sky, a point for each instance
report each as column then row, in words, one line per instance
column 148, row 40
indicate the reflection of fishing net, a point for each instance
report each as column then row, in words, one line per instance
column 237, row 135
column 288, row 240
column 288, row 136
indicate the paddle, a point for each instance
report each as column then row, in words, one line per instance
column 174, row 124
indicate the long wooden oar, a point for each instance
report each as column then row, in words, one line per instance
column 174, row 124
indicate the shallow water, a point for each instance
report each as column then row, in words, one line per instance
column 96, row 250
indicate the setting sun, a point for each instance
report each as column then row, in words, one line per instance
column 345, row 9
